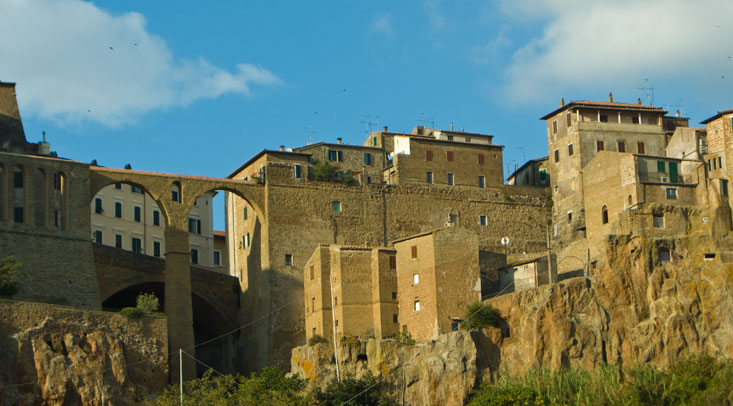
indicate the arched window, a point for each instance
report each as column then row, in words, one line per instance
column 176, row 192
column 39, row 197
column 604, row 214
column 18, row 195
column 630, row 201
column 59, row 201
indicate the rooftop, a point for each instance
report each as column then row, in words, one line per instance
column 717, row 116
column 605, row 105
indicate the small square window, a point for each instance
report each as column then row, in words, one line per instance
column 288, row 259
column 394, row 318
column 449, row 156
column 429, row 177
column 454, row 326
column 416, row 305
column 658, row 221
column 297, row 171
column 482, row 220
column 481, row 181
column 118, row 186
column 599, row 146
column 394, row 295
column 451, row 180
column 428, row 155
column 664, row 255
column 98, row 236
column 671, row 193
column 415, row 279
column 336, row 205
column 414, row 251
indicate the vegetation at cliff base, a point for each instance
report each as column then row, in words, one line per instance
column 699, row 380
column 8, row 274
column 273, row 388
column 316, row 339
column 480, row 315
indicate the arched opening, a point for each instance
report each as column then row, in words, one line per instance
column 60, row 217
column 604, row 215
column 18, row 195
column 125, row 216
column 214, row 346
column 176, row 192
column 630, row 201
column 39, row 194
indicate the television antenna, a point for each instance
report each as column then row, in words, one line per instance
column 425, row 120
column 369, row 124
column 680, row 107
column 649, row 90
column 310, row 132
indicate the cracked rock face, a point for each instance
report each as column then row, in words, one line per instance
column 74, row 362
column 636, row 310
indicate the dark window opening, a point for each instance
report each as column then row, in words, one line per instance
column 603, row 118
column 136, row 245
column 664, row 255
column 194, row 256
column 118, row 210
column 118, row 241
column 599, row 146
column 98, row 205
column 414, row 251
column 289, row 259
column 604, row 215
column 392, row 262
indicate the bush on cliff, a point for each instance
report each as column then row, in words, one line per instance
column 146, row 305
column 8, row 273
column 479, row 315
column 316, row 339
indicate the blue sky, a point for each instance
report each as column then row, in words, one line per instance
column 199, row 87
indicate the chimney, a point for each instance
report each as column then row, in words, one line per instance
column 339, row 140
column 562, row 102
column 282, row 147
column 610, row 97
column 128, row 166
column 638, row 101
column 451, row 126
column 677, row 113
column 384, row 128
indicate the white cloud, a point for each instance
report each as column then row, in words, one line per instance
column 600, row 45
column 382, row 25
column 434, row 14
column 74, row 62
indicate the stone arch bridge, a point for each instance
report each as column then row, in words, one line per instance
column 175, row 196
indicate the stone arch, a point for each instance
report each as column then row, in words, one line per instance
column 97, row 187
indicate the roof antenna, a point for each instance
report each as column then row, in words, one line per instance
column 369, row 124
column 310, row 132
column 649, row 92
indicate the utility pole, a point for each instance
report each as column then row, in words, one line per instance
column 552, row 277
column 333, row 324
column 180, row 372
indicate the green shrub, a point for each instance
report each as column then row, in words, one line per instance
column 367, row 391
column 8, row 274
column 405, row 338
column 479, row 315
column 348, row 178
column 132, row 312
column 316, row 339
column 323, row 171
column 147, row 303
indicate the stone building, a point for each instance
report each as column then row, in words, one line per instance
column 221, row 258
column 525, row 273
column 126, row 217
column 718, row 154
column 438, row 276
column 533, row 173
column 352, row 290
column 300, row 213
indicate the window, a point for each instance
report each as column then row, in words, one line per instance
column 335, row 300
column 156, row 218
column 664, row 255
column 661, row 167
column 543, row 175
column 570, row 217
column 297, row 171
column 174, row 195
column 245, row 240
column 394, row 318
column 98, row 236
column 570, row 149
column 118, row 210
column 449, row 156
column 394, row 295
column 335, row 156
column 118, row 186
column 137, row 190
column 414, row 251
column 710, row 166
column 481, row 181
column 313, row 304
column 450, row 138
column 671, row 193
column 196, row 202
column 631, row 201
column 374, row 141
column 599, row 146
column 136, row 245
column 554, row 126
column 569, row 119
column 715, row 163
column 429, row 177
column 18, row 214
column 367, row 158
column 245, row 212
column 118, row 241
column 480, row 159
column 17, row 178
column 468, row 139
column 640, row 148
column 98, row 205
column 194, row 226
column 557, row 155
column 621, row 146
column 217, row 258
column 454, row 326
column 392, row 262
column 658, row 221
column 312, row 272
column 289, row 259
column 724, row 187
column 604, row 215
column 635, row 120
column 482, row 220
column 416, row 305
column 603, row 118
column 720, row 162
column 156, row 249
column 194, row 256
column 450, row 179
column 336, row 205
column 137, row 213
column 428, row 155
column 554, row 230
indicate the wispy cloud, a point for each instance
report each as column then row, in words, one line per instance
column 491, row 51
column 76, row 62
column 382, row 25
column 599, row 45
column 434, row 14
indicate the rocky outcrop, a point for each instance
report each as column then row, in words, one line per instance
column 73, row 357
column 637, row 309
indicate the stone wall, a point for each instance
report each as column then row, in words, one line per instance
column 52, row 243
column 69, row 356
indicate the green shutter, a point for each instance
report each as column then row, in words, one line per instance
column 660, row 166
column 673, row 174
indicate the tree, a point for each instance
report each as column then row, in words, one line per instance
column 323, row 171
column 479, row 315
column 8, row 273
